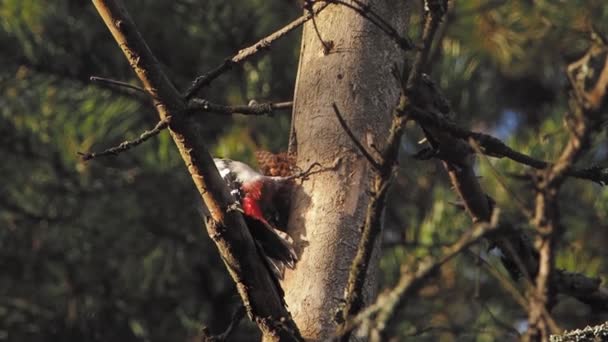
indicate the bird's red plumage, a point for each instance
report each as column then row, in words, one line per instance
column 250, row 203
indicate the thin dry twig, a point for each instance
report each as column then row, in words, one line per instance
column 354, row 139
column 372, row 227
column 521, row 205
column 507, row 285
column 327, row 45
column 303, row 175
column 116, row 83
column 129, row 144
column 506, row 326
column 248, row 52
column 432, row 18
column 381, row 312
column 206, row 106
column 504, row 281
column 365, row 11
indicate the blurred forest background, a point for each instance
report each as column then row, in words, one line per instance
column 114, row 249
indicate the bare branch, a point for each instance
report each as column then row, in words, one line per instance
column 327, row 45
column 54, row 71
column 432, row 17
column 505, row 282
column 365, row 10
column 246, row 53
column 521, row 205
column 586, row 100
column 116, row 83
column 372, row 227
column 354, row 139
column 494, row 147
column 129, row 144
column 410, row 281
column 250, row 109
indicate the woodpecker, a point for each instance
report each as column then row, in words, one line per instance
column 264, row 202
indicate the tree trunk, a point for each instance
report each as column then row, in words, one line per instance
column 352, row 68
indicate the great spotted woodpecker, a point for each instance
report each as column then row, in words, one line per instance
column 264, row 201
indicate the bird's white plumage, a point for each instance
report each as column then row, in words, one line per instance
column 224, row 172
column 241, row 171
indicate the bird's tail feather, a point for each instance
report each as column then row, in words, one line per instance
column 276, row 246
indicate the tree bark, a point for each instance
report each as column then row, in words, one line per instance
column 344, row 60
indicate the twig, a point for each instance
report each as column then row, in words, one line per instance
column 246, row 53
column 387, row 303
column 433, row 16
column 116, row 83
column 365, row 11
column 303, row 175
column 354, row 139
column 327, row 45
column 504, row 325
column 43, row 67
column 372, row 227
column 505, row 282
column 250, row 109
column 129, row 144
column 518, row 201
column 508, row 286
